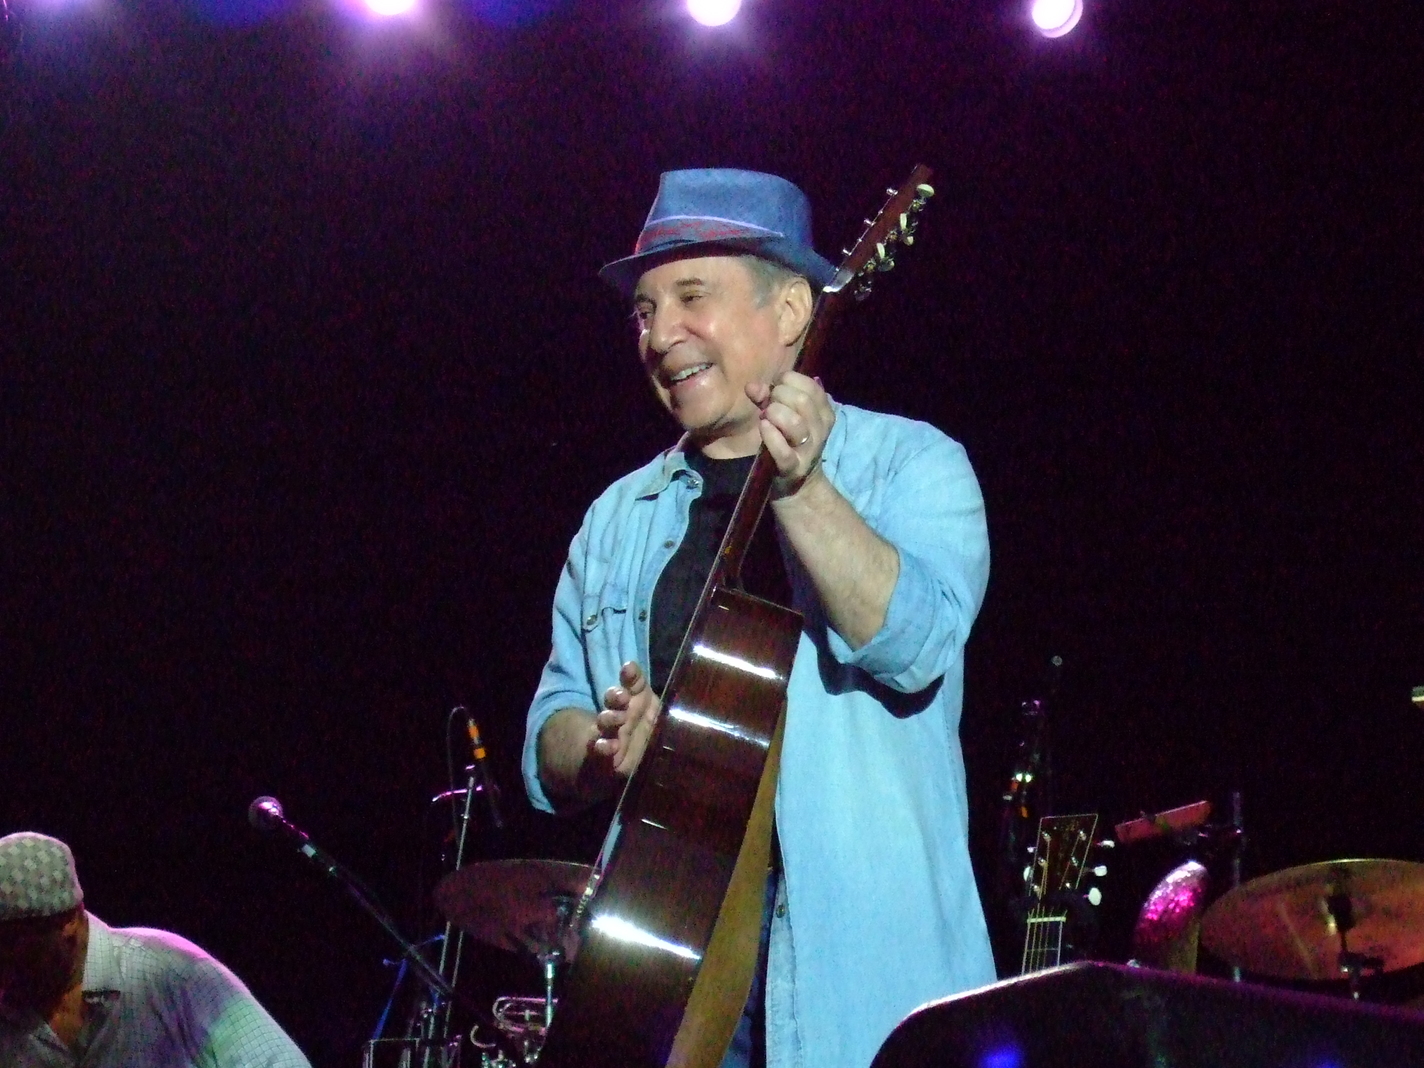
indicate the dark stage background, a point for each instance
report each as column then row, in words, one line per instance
column 308, row 379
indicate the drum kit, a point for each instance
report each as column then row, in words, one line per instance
column 526, row 906
column 1334, row 920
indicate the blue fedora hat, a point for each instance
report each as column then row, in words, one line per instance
column 698, row 211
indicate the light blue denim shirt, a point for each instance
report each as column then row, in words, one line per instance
column 877, row 911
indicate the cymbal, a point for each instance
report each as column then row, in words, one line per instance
column 523, row 905
column 1288, row 924
column 1169, row 923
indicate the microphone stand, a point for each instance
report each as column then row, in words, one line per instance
column 266, row 815
column 437, row 1017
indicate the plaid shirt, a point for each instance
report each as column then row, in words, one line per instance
column 156, row 1000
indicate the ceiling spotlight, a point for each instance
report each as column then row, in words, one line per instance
column 388, row 8
column 714, row 12
column 1054, row 18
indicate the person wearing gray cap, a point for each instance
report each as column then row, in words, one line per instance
column 75, row 991
column 881, row 545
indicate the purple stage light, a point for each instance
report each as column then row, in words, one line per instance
column 714, row 12
column 1054, row 18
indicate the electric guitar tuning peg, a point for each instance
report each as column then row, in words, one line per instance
column 1094, row 896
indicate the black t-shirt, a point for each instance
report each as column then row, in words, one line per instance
column 680, row 584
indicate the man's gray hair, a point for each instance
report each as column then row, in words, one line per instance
column 768, row 276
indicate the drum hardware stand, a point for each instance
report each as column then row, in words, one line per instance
column 1238, row 846
column 1352, row 965
column 526, row 1020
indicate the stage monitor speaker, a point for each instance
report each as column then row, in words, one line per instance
column 1109, row 1016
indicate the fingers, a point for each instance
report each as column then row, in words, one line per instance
column 800, row 412
column 631, row 676
column 629, row 712
column 796, row 420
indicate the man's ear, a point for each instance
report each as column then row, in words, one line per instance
column 793, row 308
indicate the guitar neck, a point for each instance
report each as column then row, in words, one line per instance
column 727, row 571
column 1043, row 945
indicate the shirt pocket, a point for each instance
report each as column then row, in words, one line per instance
column 604, row 606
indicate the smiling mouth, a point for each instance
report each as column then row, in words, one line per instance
column 687, row 373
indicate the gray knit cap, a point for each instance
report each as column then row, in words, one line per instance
column 37, row 877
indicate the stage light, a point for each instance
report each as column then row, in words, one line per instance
column 390, row 8
column 1054, row 18
column 714, row 12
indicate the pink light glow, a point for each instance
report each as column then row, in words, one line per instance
column 388, row 8
column 1054, row 18
column 714, row 12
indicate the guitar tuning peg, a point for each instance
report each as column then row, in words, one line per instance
column 845, row 252
column 1094, row 896
column 923, row 189
column 904, row 221
column 909, row 239
column 880, row 250
column 868, row 222
column 1100, row 870
column 891, row 191
column 1105, row 843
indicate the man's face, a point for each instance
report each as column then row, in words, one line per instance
column 40, row 959
column 703, row 335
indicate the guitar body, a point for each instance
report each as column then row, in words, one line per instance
column 648, row 931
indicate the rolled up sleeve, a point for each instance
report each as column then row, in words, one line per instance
column 565, row 680
column 932, row 512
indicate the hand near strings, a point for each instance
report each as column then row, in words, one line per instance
column 796, row 420
column 629, row 711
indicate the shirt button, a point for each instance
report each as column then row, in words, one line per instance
column 781, row 910
column 669, row 544
column 643, row 614
column 591, row 620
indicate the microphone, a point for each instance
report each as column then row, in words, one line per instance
column 266, row 815
column 481, row 764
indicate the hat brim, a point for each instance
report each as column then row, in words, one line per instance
column 623, row 274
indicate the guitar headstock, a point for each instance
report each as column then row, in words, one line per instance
column 1061, row 854
column 893, row 226
column 1060, row 862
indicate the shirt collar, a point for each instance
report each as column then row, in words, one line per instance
column 660, row 476
column 101, row 962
